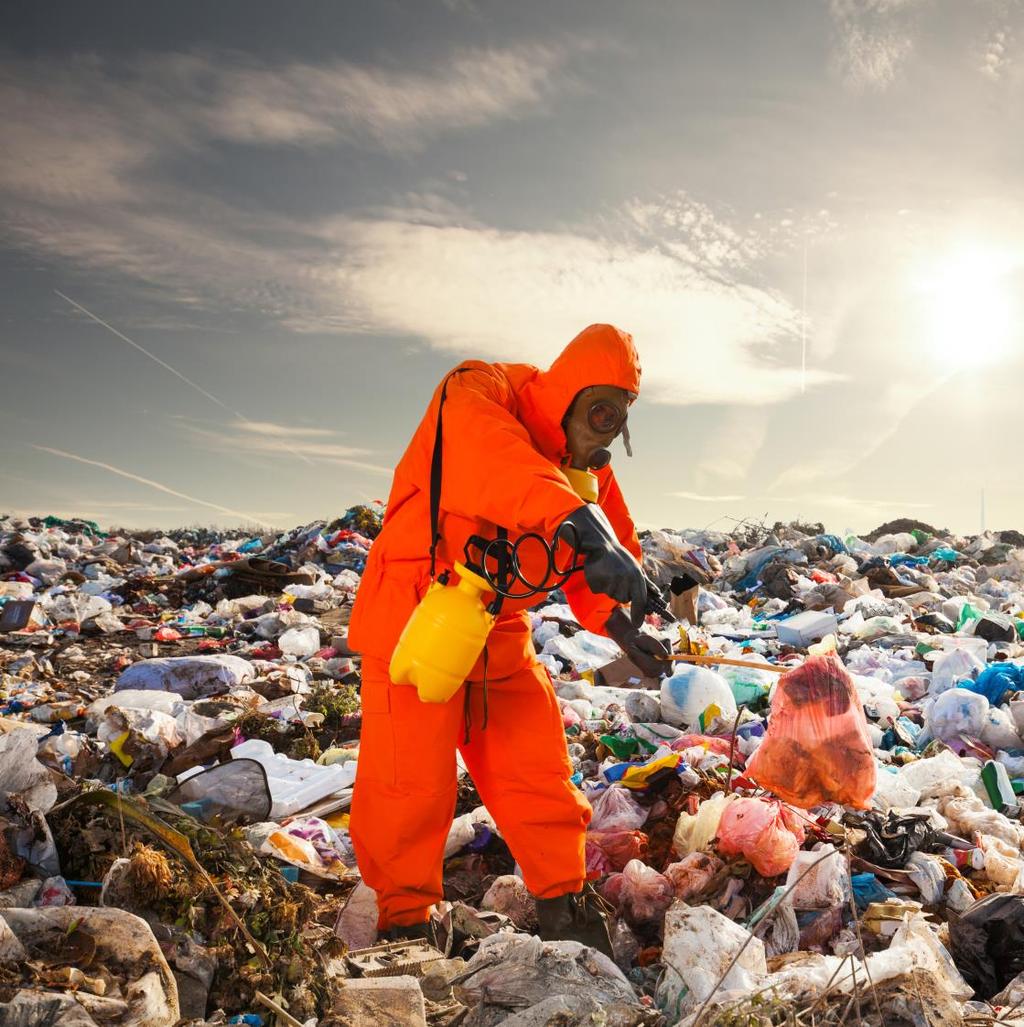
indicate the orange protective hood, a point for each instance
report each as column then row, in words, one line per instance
column 600, row 355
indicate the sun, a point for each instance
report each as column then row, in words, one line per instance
column 968, row 308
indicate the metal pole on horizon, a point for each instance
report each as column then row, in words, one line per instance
column 803, row 329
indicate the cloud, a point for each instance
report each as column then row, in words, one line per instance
column 267, row 439
column 79, row 106
column 149, row 482
column 873, row 39
column 698, row 498
column 677, row 274
column 283, row 430
column 398, row 109
column 995, row 58
column 704, row 336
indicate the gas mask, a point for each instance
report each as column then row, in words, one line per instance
column 595, row 419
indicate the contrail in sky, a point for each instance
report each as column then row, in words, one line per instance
column 148, row 481
column 167, row 367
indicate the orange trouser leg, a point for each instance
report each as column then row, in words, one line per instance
column 405, row 788
column 521, row 770
column 404, row 797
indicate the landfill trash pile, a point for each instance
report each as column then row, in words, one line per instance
column 814, row 819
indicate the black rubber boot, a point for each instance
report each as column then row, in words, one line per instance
column 582, row 917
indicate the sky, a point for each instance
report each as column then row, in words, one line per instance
column 241, row 243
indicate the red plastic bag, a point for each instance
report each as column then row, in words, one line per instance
column 612, row 850
column 817, row 748
column 645, row 894
column 766, row 834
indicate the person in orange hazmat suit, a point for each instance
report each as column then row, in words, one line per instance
column 509, row 432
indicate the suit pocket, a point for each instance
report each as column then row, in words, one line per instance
column 377, row 761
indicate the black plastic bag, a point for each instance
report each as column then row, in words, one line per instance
column 987, row 943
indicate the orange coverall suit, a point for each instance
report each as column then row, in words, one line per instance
column 503, row 445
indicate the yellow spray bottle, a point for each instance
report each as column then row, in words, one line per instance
column 443, row 638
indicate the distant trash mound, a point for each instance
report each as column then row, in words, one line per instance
column 903, row 525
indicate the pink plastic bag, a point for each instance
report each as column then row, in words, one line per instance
column 616, row 810
column 765, row 833
column 710, row 743
column 612, row 850
column 817, row 749
column 692, row 874
column 645, row 894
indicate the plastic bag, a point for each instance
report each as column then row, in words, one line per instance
column 692, row 874
column 1003, row 863
column 689, row 694
column 915, row 946
column 695, row 833
column 645, row 895
column 817, row 748
column 310, row 844
column 705, row 951
column 820, row 879
column 235, row 792
column 995, row 681
column 968, row 815
column 510, row 897
column 300, row 641
column 988, row 943
column 766, row 834
column 953, row 667
column 928, row 873
column 616, row 810
column 957, row 712
column 612, row 850
column 999, row 731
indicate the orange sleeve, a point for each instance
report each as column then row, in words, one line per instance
column 491, row 469
column 593, row 611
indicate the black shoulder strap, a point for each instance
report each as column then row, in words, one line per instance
column 435, row 476
column 436, row 466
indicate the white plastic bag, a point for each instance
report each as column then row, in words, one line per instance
column 957, row 712
column 690, row 691
column 301, row 641
column 952, row 667
column 700, row 944
column 695, row 833
column 616, row 810
column 820, row 879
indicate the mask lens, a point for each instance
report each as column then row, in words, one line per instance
column 605, row 417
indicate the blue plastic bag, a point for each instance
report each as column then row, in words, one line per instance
column 995, row 681
column 867, row 889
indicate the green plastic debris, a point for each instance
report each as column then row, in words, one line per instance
column 746, row 692
column 967, row 613
column 622, row 748
column 90, row 527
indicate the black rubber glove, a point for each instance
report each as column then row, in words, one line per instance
column 642, row 649
column 608, row 566
column 656, row 603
